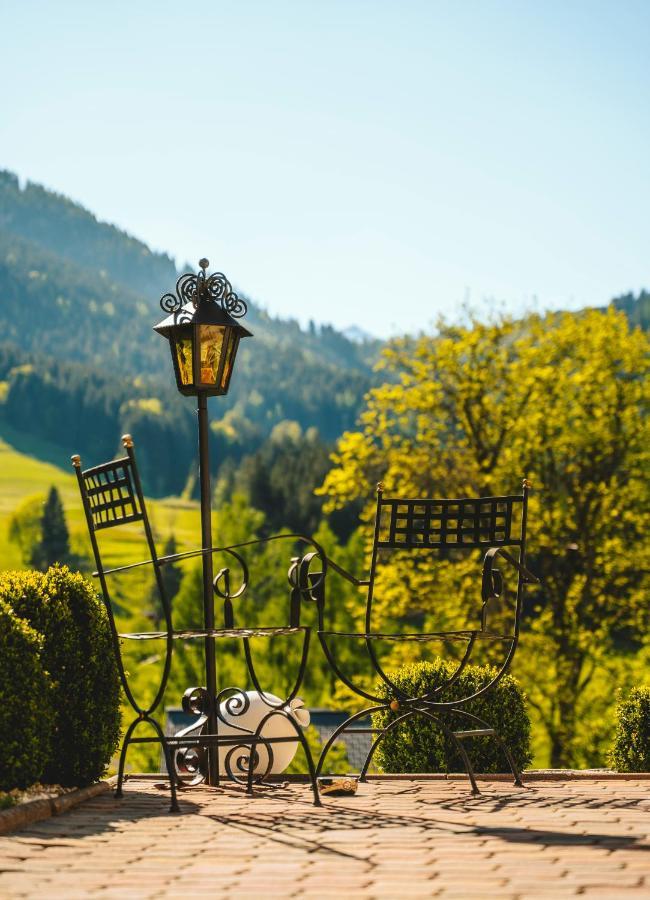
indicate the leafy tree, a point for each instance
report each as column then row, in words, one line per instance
column 25, row 527
column 563, row 400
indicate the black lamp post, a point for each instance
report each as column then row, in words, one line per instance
column 204, row 334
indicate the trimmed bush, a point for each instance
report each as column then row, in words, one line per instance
column 419, row 745
column 26, row 714
column 77, row 652
column 631, row 750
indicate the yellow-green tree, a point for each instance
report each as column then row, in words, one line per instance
column 562, row 400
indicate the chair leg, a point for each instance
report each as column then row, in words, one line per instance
column 120, row 770
column 516, row 773
column 459, row 746
column 171, row 768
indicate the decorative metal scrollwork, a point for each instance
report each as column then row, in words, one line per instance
column 233, row 702
column 202, row 288
column 238, row 761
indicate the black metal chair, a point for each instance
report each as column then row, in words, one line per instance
column 441, row 526
column 112, row 496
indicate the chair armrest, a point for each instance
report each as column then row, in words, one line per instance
column 347, row 575
column 492, row 581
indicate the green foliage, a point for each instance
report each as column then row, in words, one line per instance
column 78, row 654
column 26, row 713
column 562, row 399
column 418, row 745
column 171, row 576
column 279, row 480
column 631, row 750
column 25, row 527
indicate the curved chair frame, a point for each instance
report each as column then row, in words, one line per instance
column 112, row 495
column 421, row 524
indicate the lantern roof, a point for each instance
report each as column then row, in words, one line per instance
column 202, row 300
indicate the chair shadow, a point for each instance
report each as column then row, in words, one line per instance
column 106, row 813
column 290, row 824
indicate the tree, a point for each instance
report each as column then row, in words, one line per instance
column 172, row 576
column 54, row 545
column 562, row 399
column 25, row 527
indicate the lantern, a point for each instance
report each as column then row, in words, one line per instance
column 203, row 331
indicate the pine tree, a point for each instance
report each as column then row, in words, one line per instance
column 172, row 576
column 54, row 546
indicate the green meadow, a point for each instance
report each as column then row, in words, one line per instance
column 23, row 476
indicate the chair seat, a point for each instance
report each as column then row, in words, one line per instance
column 422, row 638
column 214, row 633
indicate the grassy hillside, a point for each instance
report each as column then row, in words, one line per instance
column 22, row 475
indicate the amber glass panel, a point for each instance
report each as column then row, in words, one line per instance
column 211, row 344
column 184, row 359
column 227, row 369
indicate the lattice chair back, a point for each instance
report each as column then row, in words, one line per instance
column 111, row 494
column 446, row 525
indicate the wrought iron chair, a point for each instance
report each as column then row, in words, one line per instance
column 441, row 526
column 112, row 496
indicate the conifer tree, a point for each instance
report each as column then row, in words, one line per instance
column 54, row 546
column 172, row 576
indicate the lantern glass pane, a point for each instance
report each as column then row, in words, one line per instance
column 184, row 359
column 211, row 339
column 227, row 369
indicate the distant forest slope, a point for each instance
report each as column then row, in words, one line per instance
column 78, row 299
column 80, row 363
column 636, row 308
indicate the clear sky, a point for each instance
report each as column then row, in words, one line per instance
column 353, row 162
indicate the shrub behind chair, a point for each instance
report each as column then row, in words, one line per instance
column 418, row 745
column 631, row 750
column 26, row 714
column 78, row 654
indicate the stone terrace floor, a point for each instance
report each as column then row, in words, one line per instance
column 418, row 838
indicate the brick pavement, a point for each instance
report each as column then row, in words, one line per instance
column 394, row 839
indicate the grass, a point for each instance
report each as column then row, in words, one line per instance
column 22, row 476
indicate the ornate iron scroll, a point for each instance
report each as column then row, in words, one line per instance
column 202, row 288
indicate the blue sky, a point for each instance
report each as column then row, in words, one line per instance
column 351, row 162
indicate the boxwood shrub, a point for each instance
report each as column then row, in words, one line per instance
column 631, row 750
column 26, row 715
column 418, row 745
column 77, row 652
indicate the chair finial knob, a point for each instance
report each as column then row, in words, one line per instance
column 527, row 483
column 76, row 461
column 380, row 487
column 127, row 440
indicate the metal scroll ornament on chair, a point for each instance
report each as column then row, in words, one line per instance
column 251, row 728
column 488, row 524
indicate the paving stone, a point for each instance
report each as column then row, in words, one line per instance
column 393, row 839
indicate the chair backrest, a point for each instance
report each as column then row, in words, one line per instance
column 112, row 495
column 444, row 525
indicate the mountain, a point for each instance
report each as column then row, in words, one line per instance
column 78, row 299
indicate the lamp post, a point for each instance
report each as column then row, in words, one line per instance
column 204, row 334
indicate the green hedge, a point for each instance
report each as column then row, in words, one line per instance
column 631, row 750
column 418, row 745
column 77, row 652
column 25, row 703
